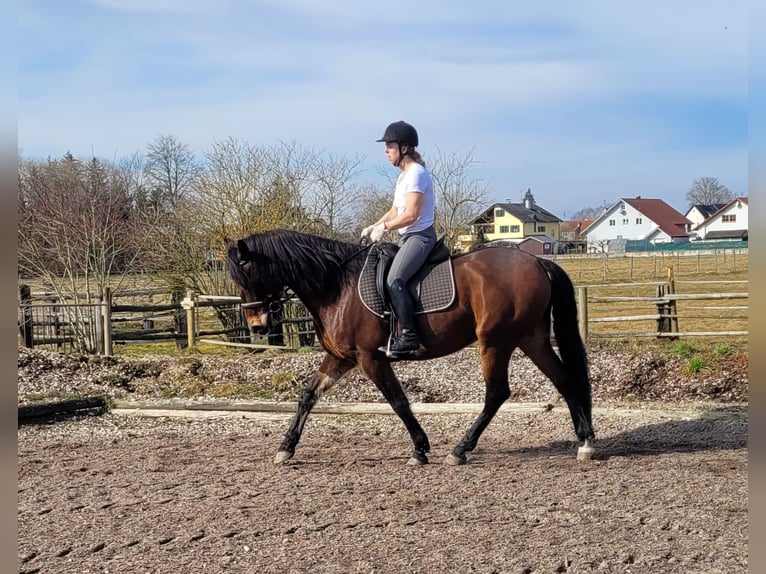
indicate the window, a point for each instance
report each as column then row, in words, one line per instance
column 515, row 229
column 625, row 221
column 729, row 218
column 499, row 212
column 612, row 223
column 639, row 221
column 541, row 227
column 503, row 229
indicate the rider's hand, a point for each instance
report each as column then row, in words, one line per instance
column 367, row 230
column 377, row 232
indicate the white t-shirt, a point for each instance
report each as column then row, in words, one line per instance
column 415, row 179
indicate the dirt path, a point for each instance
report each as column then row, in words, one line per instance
column 119, row 493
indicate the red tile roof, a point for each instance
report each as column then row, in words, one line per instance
column 667, row 219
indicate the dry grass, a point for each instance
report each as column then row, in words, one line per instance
column 637, row 275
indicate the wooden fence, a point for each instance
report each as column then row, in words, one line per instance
column 194, row 319
column 97, row 327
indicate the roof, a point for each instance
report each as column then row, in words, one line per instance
column 727, row 234
column 575, row 226
column 707, row 209
column 520, row 212
column 667, row 219
column 725, row 206
column 540, row 237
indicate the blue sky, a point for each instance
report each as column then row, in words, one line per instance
column 583, row 102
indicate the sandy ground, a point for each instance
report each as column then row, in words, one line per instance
column 666, row 492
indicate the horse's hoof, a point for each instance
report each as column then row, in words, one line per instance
column 585, row 452
column 415, row 461
column 453, row 460
column 283, row 456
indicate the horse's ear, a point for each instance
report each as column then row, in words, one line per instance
column 229, row 242
column 243, row 253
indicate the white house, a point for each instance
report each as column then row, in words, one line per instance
column 700, row 212
column 650, row 220
column 729, row 222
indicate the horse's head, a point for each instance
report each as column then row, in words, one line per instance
column 261, row 298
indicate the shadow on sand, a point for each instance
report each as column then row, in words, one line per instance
column 724, row 428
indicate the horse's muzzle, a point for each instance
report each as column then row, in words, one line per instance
column 259, row 330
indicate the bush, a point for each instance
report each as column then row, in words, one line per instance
column 683, row 349
column 723, row 350
column 695, row 365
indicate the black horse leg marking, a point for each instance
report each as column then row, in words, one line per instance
column 576, row 393
column 495, row 366
column 382, row 374
column 330, row 371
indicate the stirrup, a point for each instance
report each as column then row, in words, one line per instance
column 391, row 352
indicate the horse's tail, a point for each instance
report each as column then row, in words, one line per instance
column 565, row 327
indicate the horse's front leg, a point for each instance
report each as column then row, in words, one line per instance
column 329, row 373
column 381, row 373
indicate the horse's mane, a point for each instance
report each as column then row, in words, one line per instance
column 309, row 263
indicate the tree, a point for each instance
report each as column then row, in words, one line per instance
column 373, row 201
column 171, row 171
column 707, row 191
column 459, row 194
column 332, row 195
column 587, row 213
column 75, row 232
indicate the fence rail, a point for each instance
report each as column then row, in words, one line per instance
column 218, row 320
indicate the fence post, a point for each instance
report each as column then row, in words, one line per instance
column 25, row 321
column 179, row 317
column 107, row 315
column 582, row 316
column 188, row 304
column 94, row 337
column 672, row 304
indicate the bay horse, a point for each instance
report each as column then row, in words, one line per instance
column 504, row 299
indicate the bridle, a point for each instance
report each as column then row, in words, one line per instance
column 271, row 304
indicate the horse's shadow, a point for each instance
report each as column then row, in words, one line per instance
column 723, row 428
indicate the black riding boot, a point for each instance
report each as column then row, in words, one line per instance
column 404, row 307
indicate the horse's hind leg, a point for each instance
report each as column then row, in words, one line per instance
column 573, row 388
column 381, row 373
column 494, row 363
column 329, row 372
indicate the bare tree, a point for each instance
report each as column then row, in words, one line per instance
column 333, row 195
column 373, row 201
column 243, row 189
column 707, row 191
column 75, row 231
column 587, row 213
column 171, row 170
column 459, row 194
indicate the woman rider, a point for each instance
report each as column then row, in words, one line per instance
column 412, row 215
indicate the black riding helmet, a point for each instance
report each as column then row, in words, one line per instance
column 400, row 132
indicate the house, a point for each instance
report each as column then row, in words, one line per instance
column 727, row 223
column 650, row 220
column 571, row 236
column 700, row 212
column 511, row 223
